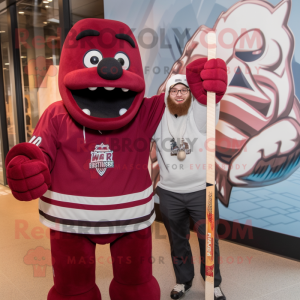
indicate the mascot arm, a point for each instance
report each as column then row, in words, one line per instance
column 203, row 76
column 151, row 113
column 28, row 165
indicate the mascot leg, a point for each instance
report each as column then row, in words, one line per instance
column 73, row 259
column 132, row 267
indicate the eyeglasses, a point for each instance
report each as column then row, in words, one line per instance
column 175, row 91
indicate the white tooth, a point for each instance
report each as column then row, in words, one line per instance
column 87, row 111
column 109, row 88
column 125, row 90
column 122, row 111
column 222, row 191
column 92, row 88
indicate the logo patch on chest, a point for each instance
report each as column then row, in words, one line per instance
column 101, row 159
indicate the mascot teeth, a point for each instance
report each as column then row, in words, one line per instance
column 125, row 90
column 122, row 111
column 92, row 88
column 109, row 88
column 87, row 111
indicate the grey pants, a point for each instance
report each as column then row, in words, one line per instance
column 176, row 209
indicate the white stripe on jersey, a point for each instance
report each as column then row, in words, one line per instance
column 97, row 215
column 99, row 200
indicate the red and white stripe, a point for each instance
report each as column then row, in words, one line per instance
column 101, row 215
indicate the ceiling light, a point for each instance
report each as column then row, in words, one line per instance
column 45, row 1
column 7, row 64
column 45, row 22
column 47, row 6
column 23, row 56
column 2, row 31
column 21, row 12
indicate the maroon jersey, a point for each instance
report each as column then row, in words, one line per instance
column 100, row 181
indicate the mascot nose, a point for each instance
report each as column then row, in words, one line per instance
column 110, row 69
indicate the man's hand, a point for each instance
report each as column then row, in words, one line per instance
column 207, row 76
column 27, row 174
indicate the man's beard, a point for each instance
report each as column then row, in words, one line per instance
column 179, row 109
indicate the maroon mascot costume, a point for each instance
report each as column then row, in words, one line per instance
column 88, row 161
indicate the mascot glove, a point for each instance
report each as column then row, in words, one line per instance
column 27, row 174
column 203, row 76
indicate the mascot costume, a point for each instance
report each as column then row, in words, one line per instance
column 88, row 161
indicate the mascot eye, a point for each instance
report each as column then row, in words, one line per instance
column 123, row 59
column 249, row 56
column 92, row 58
column 250, row 46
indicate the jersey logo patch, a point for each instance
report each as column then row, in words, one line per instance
column 101, row 159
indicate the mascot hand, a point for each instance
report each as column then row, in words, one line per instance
column 27, row 174
column 203, row 76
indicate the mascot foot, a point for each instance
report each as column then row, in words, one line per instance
column 93, row 294
column 145, row 291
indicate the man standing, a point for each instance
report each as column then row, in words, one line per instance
column 181, row 154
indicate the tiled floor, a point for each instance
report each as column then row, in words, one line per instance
column 247, row 273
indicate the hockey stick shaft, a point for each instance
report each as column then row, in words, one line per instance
column 210, row 181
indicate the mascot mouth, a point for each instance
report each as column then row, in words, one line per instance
column 104, row 102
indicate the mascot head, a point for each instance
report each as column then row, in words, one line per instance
column 101, row 77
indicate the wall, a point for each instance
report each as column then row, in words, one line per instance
column 258, row 177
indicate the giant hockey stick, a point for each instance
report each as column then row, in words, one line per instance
column 210, row 181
